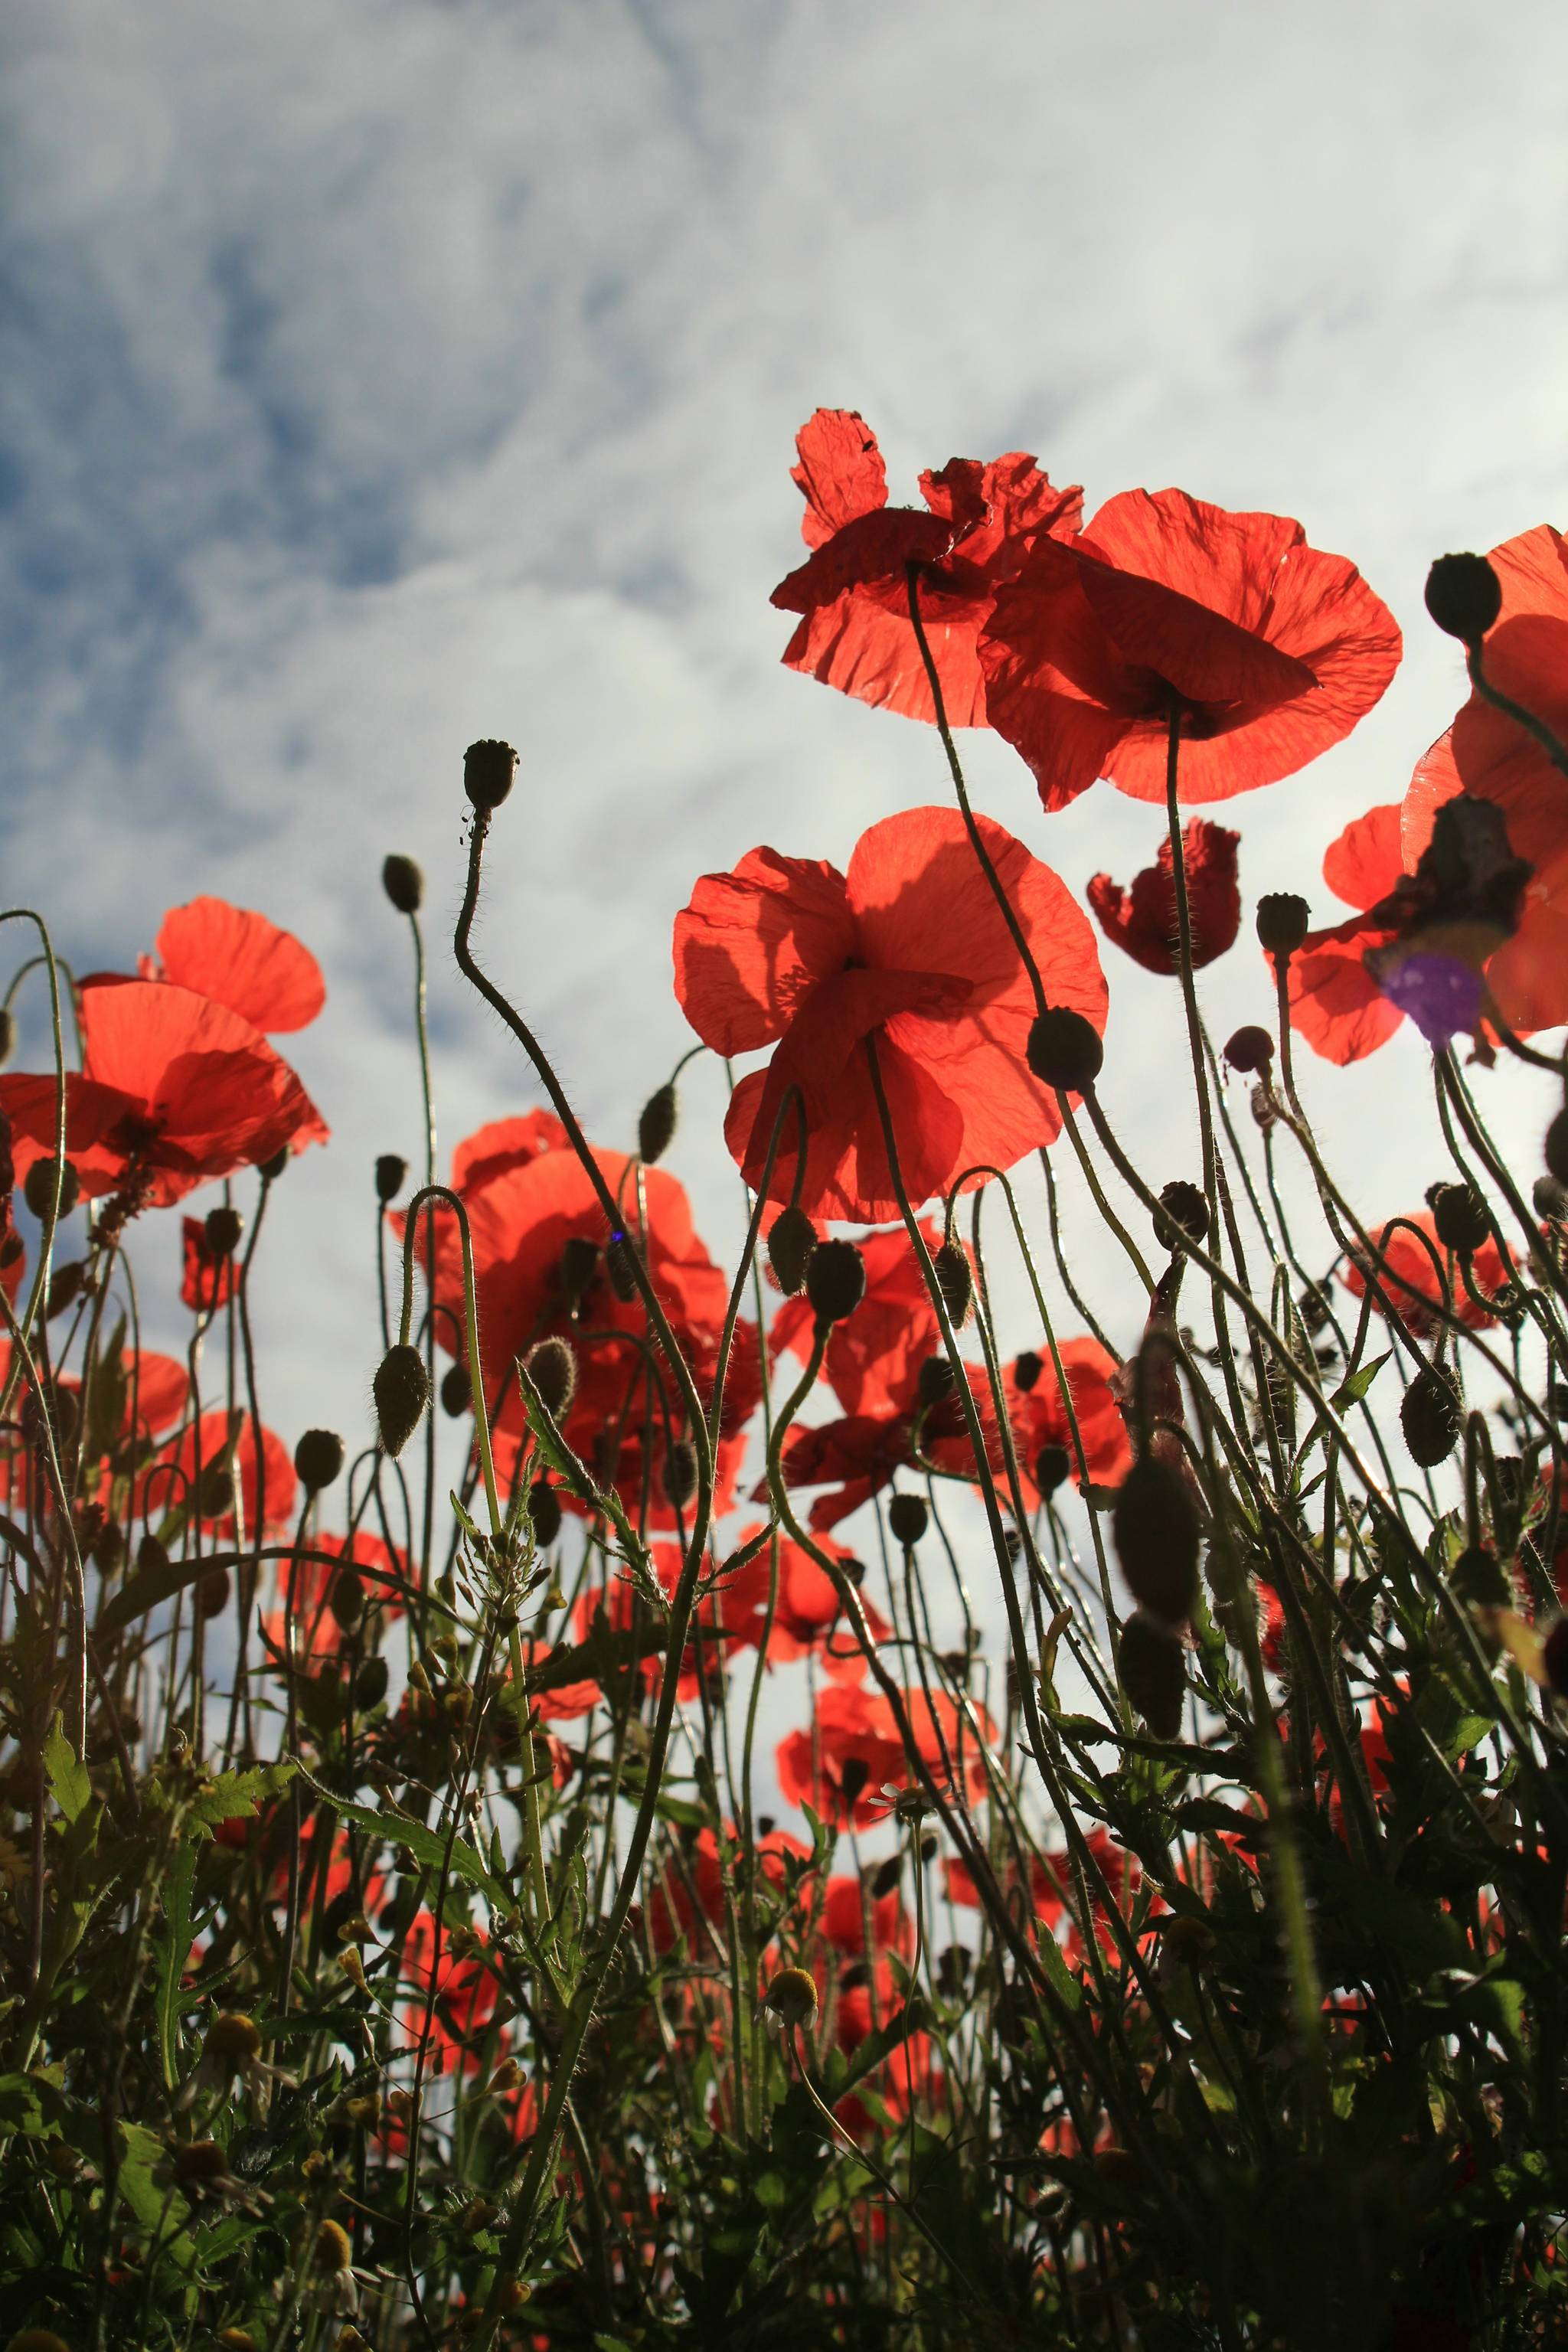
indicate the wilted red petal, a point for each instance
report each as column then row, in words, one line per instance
column 841, row 474
column 241, row 959
column 1142, row 919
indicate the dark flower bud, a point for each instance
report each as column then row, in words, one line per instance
column 212, row 1593
column 934, row 1383
column 1026, row 1369
column 620, row 1265
column 1154, row 1523
column 214, row 1489
column 401, row 1393
column 1464, row 597
column 457, row 1391
column 790, row 1243
column 1250, row 1049
column 108, row 1551
column 1185, row 1217
column 1283, row 919
column 886, row 1877
column 223, row 1230
column 544, row 1512
column 908, row 1519
column 8, row 1037
column 1431, row 1417
column 1551, row 1199
column 552, row 1368
column 579, row 1265
column 318, row 1459
column 488, row 768
column 1556, row 1149
column 404, row 883
column 679, row 1474
column 1052, row 1466
column 1476, row 1576
column 1460, row 1216
column 1555, row 1658
column 952, row 1270
column 855, row 1570
column 346, row 1598
column 852, row 1779
column 39, row 1188
column 1152, row 1669
column 271, row 1170
column 391, row 1175
column 1064, row 1050
column 65, row 1286
column 370, row 1683
column 656, row 1124
column 834, row 1280
column 928, row 1854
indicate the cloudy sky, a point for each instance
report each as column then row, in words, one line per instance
column 378, row 376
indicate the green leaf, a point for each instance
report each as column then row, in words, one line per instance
column 428, row 1846
column 68, row 1774
column 1353, row 1389
column 910, row 2018
column 19, row 2107
column 174, row 1951
column 233, row 1795
column 1063, row 1982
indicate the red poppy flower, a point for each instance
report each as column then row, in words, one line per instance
column 207, row 1281
column 505, row 1144
column 1143, row 920
column 167, row 1482
column 466, row 1994
column 240, row 960
column 1409, row 1263
column 1336, row 1004
column 1051, row 1880
column 910, row 949
column 317, row 1631
column 874, row 1356
column 1489, row 755
column 1038, row 1414
column 853, row 589
column 860, row 1454
column 853, row 1751
column 1270, row 650
column 693, row 1891
column 174, row 1090
column 808, row 1617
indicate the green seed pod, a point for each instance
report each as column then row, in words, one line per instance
column 1064, row 1050
column 1283, row 917
column 908, row 1519
column 1431, row 1417
column 319, row 1459
column 1152, row 1668
column 834, row 1281
column 790, row 1245
column 952, row 1279
column 401, row 1393
column 1185, row 1215
column 552, row 1368
column 1154, row 1523
column 1464, row 597
column 656, row 1123
column 404, row 883
column 489, row 769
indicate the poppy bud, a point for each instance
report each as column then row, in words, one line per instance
column 1555, row 1658
column 952, row 1279
column 223, row 1230
column 151, row 1556
column 214, row 1489
column 834, row 1281
column 1026, row 1369
column 790, row 1245
column 1551, row 1199
column 552, row 1368
column 1052, row 1464
column 1064, row 1050
column 620, row 1265
column 64, row 1285
column 1477, row 1577
column 1464, row 597
column 887, row 1876
column 488, row 768
column 1460, row 1216
column 1154, row 1523
column 404, row 883
column 545, row 1512
column 1431, row 1417
column 346, row 1598
column 8, row 1037
column 852, row 1779
column 1556, row 1150
column 1283, row 919
column 1250, row 1049
column 370, row 1683
column 212, row 1593
column 656, row 1124
column 391, row 1175
column 908, row 1519
column 457, row 1391
column 1153, row 1673
column 401, row 1393
column 39, row 1187
column 1185, row 1218
column 679, row 1474
column 934, row 1383
column 318, row 1459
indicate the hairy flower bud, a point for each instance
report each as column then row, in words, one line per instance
column 212, row 1593
column 225, row 1230
column 1026, row 1369
column 319, row 1459
column 1250, row 1049
column 1431, row 1417
column 934, row 1383
column 552, row 1368
column 1152, row 1668
column 1052, row 1467
column 790, row 1245
column 620, row 1265
column 401, row 1393
column 544, row 1512
column 457, row 1391
column 886, row 1877
column 1154, row 1523
column 346, row 1598
column 1064, row 1050
column 679, row 1472
column 834, row 1281
column 488, row 768
column 1551, row 1199
column 952, row 1279
column 391, row 1175
column 39, row 1187
column 1464, row 597
column 1283, row 919
column 908, row 1519
column 370, row 1683
column 656, row 1124
column 1460, row 1216
column 404, row 883
column 1185, row 1215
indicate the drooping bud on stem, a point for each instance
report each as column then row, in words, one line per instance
column 656, row 1123
column 1152, row 1668
column 318, row 1459
column 1431, row 1416
column 1250, row 1049
column 834, row 1281
column 1064, row 1050
column 952, row 1279
column 1464, row 597
column 552, row 1368
column 1155, row 1527
column 790, row 1245
column 401, row 1393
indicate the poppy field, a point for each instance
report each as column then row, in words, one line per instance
column 833, row 1830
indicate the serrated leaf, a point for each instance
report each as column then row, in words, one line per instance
column 233, row 1796
column 428, row 1846
column 69, row 1781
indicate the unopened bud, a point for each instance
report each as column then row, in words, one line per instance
column 401, row 1393
column 1556, row 1148
column 318, row 1459
column 952, row 1279
column 656, row 1123
column 212, row 1593
column 552, row 1368
column 1185, row 1215
column 1283, row 919
column 1464, row 597
column 223, row 1230
column 834, row 1281
column 1150, row 1662
column 346, row 1598
column 1154, row 1523
column 1250, row 1049
column 934, row 1383
column 679, row 1472
column 545, row 1512
column 790, row 1245
column 39, row 1187
column 271, row 1170
column 887, row 1876
column 1026, row 1369
column 457, row 1391
column 620, row 1265
column 1052, row 1467
column 1064, row 1050
column 370, row 1683
column 488, row 768
column 391, row 1175
column 1431, row 1417
column 1460, row 1216
column 404, row 883
column 1551, row 1199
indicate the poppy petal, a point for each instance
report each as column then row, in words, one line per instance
column 840, row 474
column 752, row 945
column 241, row 959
